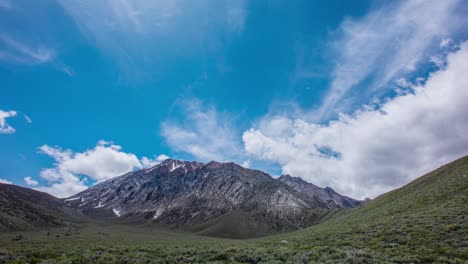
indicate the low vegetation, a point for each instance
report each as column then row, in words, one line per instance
column 423, row 222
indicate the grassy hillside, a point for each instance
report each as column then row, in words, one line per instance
column 423, row 222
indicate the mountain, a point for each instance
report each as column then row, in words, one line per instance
column 26, row 209
column 327, row 195
column 207, row 198
column 424, row 221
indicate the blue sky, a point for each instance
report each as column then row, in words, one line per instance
column 92, row 89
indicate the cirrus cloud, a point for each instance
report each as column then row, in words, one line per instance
column 204, row 132
column 387, row 42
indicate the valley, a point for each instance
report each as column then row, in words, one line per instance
column 422, row 222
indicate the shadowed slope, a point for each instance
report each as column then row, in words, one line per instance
column 26, row 209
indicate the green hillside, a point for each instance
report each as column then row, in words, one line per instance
column 423, row 222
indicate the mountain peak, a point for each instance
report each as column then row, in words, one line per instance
column 170, row 165
column 188, row 193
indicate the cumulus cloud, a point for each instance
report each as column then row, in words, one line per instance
column 29, row 181
column 377, row 148
column 5, row 181
column 386, row 43
column 148, row 163
column 72, row 169
column 204, row 132
column 246, row 164
column 101, row 163
column 4, row 127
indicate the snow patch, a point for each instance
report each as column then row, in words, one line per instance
column 99, row 205
column 158, row 213
column 73, row 199
column 174, row 167
column 117, row 212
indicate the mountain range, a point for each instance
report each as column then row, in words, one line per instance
column 126, row 219
column 209, row 199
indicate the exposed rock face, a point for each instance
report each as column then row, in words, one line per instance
column 182, row 194
column 327, row 195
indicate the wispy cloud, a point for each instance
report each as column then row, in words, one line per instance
column 203, row 132
column 138, row 34
column 67, row 70
column 377, row 148
column 27, row 119
column 384, row 44
column 14, row 51
column 5, row 128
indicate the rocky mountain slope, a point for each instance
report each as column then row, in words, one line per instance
column 327, row 195
column 207, row 198
column 26, row 209
column 422, row 222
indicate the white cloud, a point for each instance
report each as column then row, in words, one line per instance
column 14, row 51
column 27, row 119
column 4, row 127
column 438, row 60
column 62, row 183
column 446, row 43
column 136, row 34
column 246, row 164
column 375, row 149
column 5, row 181
column 205, row 133
column 386, row 43
column 100, row 163
column 72, row 169
column 148, row 163
column 29, row 181
column 67, row 70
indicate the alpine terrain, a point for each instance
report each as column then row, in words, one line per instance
column 125, row 220
column 237, row 202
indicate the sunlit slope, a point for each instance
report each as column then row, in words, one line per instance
column 425, row 220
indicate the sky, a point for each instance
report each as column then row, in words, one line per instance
column 361, row 96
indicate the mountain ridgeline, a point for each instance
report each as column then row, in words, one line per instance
column 210, row 199
column 422, row 222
